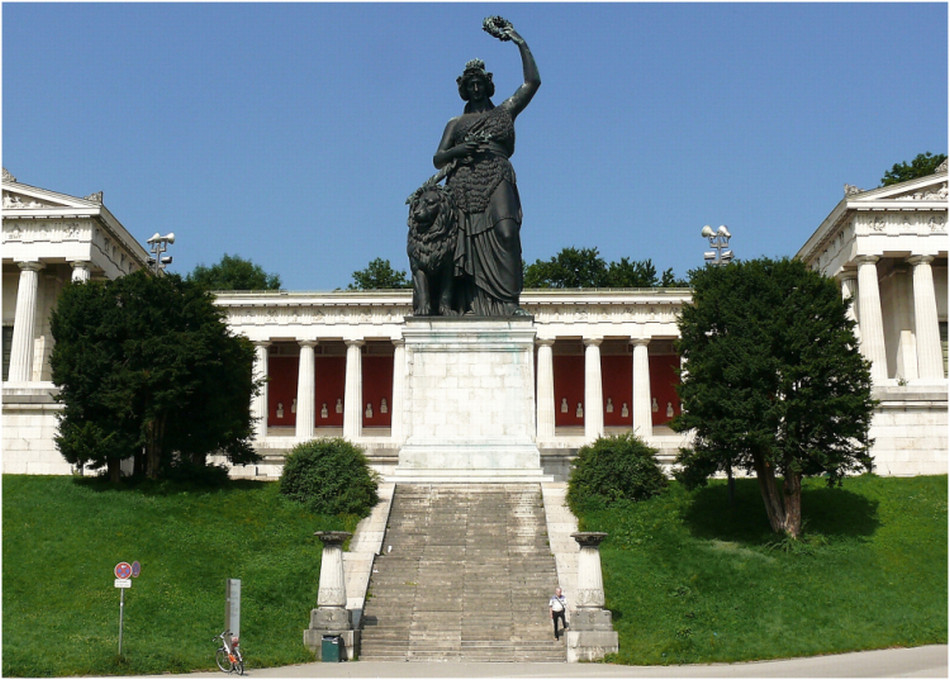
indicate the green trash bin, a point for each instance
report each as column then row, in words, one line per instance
column 330, row 648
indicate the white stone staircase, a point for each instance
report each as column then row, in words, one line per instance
column 465, row 574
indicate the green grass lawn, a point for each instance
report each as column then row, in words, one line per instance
column 62, row 537
column 693, row 579
column 689, row 578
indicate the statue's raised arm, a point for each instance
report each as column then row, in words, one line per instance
column 503, row 30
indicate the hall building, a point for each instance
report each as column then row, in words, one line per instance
column 602, row 361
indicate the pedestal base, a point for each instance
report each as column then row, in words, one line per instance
column 332, row 621
column 469, row 409
column 591, row 635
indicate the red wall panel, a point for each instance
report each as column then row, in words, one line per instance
column 568, row 389
column 377, row 388
column 617, row 378
column 330, row 381
column 281, row 391
column 663, row 382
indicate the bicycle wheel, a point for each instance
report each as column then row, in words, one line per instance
column 239, row 665
column 221, row 658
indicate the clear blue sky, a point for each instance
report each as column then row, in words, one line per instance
column 291, row 134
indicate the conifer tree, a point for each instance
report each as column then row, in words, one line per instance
column 773, row 382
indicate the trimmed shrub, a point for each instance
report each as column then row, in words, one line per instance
column 330, row 477
column 613, row 469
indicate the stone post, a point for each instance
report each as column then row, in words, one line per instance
column 849, row 283
column 593, row 390
column 353, row 391
column 24, row 323
column 545, row 405
column 926, row 326
column 642, row 402
column 396, row 412
column 871, row 319
column 331, row 617
column 259, row 401
column 591, row 635
column 306, row 389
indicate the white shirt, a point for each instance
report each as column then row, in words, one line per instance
column 558, row 604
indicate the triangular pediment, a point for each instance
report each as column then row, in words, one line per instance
column 929, row 188
column 17, row 196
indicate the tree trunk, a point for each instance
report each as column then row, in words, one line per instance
column 793, row 504
column 768, row 487
column 153, row 447
column 114, row 467
column 138, row 467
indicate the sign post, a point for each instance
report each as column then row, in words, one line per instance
column 232, row 607
column 122, row 571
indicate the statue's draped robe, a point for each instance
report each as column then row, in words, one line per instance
column 489, row 246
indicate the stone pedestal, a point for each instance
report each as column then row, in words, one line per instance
column 469, row 410
column 591, row 635
column 331, row 617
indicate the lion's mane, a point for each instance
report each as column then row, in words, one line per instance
column 430, row 247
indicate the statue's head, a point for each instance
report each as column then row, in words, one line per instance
column 475, row 69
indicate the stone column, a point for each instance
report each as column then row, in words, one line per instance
column 306, row 389
column 82, row 270
column 259, row 402
column 545, row 405
column 848, row 279
column 642, row 397
column 871, row 318
column 353, row 391
column 396, row 408
column 591, row 634
column 926, row 326
column 593, row 390
column 331, row 617
column 24, row 323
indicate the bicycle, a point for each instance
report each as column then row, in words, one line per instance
column 228, row 657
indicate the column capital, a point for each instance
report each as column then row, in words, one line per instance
column 594, row 341
column 31, row 266
column 262, row 343
column 544, row 342
column 639, row 341
column 307, row 342
column 867, row 259
column 354, row 342
column 847, row 275
column 915, row 260
column 398, row 342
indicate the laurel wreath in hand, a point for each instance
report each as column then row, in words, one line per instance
column 497, row 26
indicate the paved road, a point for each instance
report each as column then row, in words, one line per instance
column 917, row 662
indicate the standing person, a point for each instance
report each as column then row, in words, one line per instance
column 474, row 153
column 558, row 607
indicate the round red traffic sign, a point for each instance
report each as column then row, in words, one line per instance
column 123, row 570
column 136, row 569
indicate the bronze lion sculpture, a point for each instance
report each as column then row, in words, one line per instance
column 433, row 234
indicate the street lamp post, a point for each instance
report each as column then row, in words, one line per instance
column 158, row 244
column 719, row 256
column 719, row 242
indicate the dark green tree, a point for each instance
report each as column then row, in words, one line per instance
column 627, row 274
column 147, row 369
column 234, row 273
column 774, row 382
column 585, row 268
column 924, row 164
column 570, row 268
column 379, row 275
